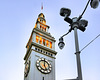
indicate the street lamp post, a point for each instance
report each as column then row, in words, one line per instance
column 75, row 26
column 77, row 55
column 76, row 23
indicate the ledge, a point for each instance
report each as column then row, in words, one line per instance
column 40, row 46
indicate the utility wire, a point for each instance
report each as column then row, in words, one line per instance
column 90, row 42
column 84, row 10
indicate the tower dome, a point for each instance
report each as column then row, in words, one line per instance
column 41, row 18
column 41, row 15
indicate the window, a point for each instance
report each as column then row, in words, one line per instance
column 41, row 20
column 44, row 22
column 47, row 43
column 37, row 39
column 41, row 50
column 51, row 54
column 40, row 40
column 44, row 42
column 38, row 19
column 46, row 53
column 38, row 49
column 50, row 44
column 35, row 48
column 42, row 28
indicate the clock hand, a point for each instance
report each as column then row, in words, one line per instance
column 43, row 66
column 44, row 62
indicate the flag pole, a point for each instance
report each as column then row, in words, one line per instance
column 41, row 6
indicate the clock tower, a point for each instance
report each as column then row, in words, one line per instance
column 40, row 54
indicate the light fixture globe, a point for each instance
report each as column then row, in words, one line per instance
column 94, row 4
column 65, row 12
column 61, row 44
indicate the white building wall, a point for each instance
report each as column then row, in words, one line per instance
column 34, row 37
column 38, row 25
column 34, row 73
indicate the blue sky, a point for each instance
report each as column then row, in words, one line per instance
column 17, row 19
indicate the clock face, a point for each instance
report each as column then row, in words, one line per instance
column 27, row 67
column 43, row 65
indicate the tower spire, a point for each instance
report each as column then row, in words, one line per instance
column 41, row 6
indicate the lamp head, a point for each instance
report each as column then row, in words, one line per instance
column 82, row 24
column 65, row 12
column 94, row 3
column 61, row 44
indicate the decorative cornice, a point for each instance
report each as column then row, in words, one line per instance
column 40, row 46
column 43, row 47
column 43, row 24
column 36, row 30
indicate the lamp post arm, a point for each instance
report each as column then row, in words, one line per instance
column 84, row 10
column 67, row 32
